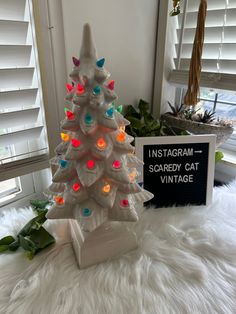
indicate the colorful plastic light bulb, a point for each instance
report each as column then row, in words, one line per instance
column 80, row 89
column 100, row 62
column 122, row 128
column 90, row 164
column 63, row 163
column 65, row 137
column 121, row 137
column 110, row 112
column 86, row 212
column 70, row 115
column 76, row 61
column 119, row 108
column 69, row 88
column 106, row 188
column 111, row 85
column 116, row 164
column 59, row 200
column 75, row 142
column 124, row 203
column 132, row 175
column 88, row 118
column 101, row 143
column 76, row 187
column 97, row 90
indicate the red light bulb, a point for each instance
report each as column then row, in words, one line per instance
column 80, row 89
column 70, row 115
column 90, row 164
column 111, row 85
column 76, row 187
column 75, row 142
column 116, row 164
column 124, row 203
column 69, row 88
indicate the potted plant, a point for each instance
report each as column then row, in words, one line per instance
column 190, row 116
column 199, row 121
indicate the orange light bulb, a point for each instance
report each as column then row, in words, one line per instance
column 65, row 137
column 59, row 200
column 121, row 137
column 132, row 175
column 106, row 188
column 101, row 143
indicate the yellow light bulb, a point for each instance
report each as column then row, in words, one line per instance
column 65, row 137
column 132, row 175
column 122, row 128
column 101, row 143
column 106, row 188
column 121, row 137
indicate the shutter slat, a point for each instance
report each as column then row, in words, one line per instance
column 12, row 9
column 15, row 55
column 210, row 51
column 23, row 97
column 13, row 32
column 208, row 65
column 20, row 136
column 18, row 118
column 212, row 35
column 214, row 18
column 12, row 77
column 220, row 81
column 211, row 5
column 25, row 165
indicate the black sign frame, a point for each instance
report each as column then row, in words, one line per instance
column 178, row 170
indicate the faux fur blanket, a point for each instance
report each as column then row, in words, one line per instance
column 186, row 263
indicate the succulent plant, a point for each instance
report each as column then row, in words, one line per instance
column 207, row 117
column 175, row 110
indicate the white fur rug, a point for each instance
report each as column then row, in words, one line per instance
column 186, row 263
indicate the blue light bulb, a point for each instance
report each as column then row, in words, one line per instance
column 97, row 90
column 88, row 118
column 63, row 163
column 110, row 112
column 100, row 62
column 86, row 212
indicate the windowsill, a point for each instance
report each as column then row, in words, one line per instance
column 23, row 202
column 229, row 158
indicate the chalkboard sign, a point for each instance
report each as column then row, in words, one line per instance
column 178, row 170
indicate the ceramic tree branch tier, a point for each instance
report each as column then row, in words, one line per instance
column 95, row 167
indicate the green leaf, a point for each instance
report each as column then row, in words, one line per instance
column 3, row 248
column 39, row 203
column 130, row 110
column 14, row 245
column 7, row 240
column 27, row 244
column 136, row 123
column 33, row 224
column 41, row 238
column 30, row 254
column 219, row 156
column 143, row 107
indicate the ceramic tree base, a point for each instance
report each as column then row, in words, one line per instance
column 109, row 240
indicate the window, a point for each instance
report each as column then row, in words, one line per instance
column 23, row 142
column 218, row 79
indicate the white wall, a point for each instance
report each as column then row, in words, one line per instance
column 166, row 37
column 125, row 34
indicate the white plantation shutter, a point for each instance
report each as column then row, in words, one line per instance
column 23, row 143
column 219, row 51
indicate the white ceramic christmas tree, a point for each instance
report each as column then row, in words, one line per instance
column 95, row 179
